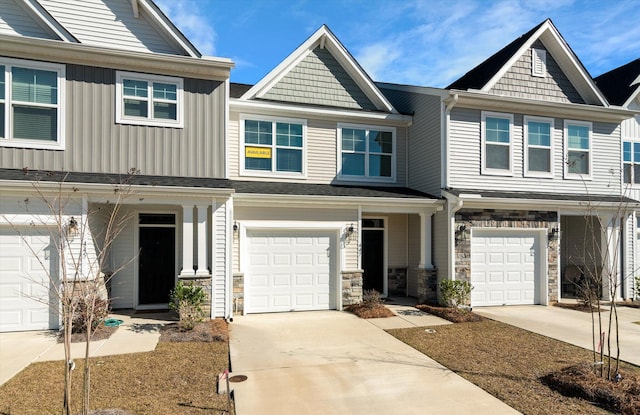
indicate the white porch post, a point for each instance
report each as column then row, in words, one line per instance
column 610, row 258
column 425, row 241
column 187, row 240
column 202, row 240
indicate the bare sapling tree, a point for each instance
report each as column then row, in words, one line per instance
column 82, row 235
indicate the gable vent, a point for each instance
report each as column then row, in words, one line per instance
column 538, row 62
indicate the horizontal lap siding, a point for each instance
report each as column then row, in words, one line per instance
column 397, row 241
column 219, row 285
column 466, row 151
column 413, row 254
column 95, row 143
column 15, row 21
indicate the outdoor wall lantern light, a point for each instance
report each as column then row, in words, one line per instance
column 236, row 228
column 72, row 228
column 554, row 234
column 460, row 233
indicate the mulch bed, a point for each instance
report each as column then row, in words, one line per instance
column 101, row 332
column 579, row 307
column 364, row 310
column 581, row 381
column 206, row 331
column 455, row 315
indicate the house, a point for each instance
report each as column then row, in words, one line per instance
column 526, row 151
column 621, row 86
column 322, row 207
column 92, row 93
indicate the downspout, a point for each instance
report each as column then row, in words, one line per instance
column 229, row 262
column 450, row 102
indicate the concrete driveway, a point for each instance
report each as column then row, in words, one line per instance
column 336, row 363
column 570, row 326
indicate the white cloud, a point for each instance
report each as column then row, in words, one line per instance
column 190, row 19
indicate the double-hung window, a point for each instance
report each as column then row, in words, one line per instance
column 31, row 97
column 366, row 153
column 497, row 143
column 149, row 100
column 631, row 162
column 578, row 148
column 272, row 146
column 539, row 146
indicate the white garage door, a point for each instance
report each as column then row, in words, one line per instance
column 505, row 268
column 24, row 285
column 290, row 271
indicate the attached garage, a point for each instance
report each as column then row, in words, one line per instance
column 290, row 270
column 25, row 287
column 506, row 267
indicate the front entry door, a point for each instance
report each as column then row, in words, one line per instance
column 157, row 264
column 373, row 263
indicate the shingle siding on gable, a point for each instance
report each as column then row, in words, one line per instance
column 14, row 20
column 518, row 81
column 109, row 24
column 320, row 80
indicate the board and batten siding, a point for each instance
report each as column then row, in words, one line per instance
column 466, row 151
column 14, row 20
column 110, row 24
column 519, row 82
column 96, row 143
column 122, row 258
column 321, row 153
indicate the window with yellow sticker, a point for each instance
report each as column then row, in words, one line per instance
column 273, row 146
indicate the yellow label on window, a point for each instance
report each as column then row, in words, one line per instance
column 257, row 152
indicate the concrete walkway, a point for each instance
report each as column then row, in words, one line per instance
column 569, row 325
column 138, row 333
column 331, row 362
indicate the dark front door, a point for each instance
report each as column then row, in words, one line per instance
column 373, row 254
column 157, row 269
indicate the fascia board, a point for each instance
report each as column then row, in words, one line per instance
column 269, row 108
column 56, row 51
column 501, row 203
column 169, row 29
column 634, row 95
column 243, row 199
column 484, row 101
column 38, row 12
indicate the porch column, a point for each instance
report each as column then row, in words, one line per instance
column 610, row 258
column 202, row 240
column 187, row 240
column 425, row 241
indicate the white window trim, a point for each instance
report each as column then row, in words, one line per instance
column 273, row 172
column 575, row 176
column 549, row 121
column 633, row 141
column 8, row 140
column 538, row 56
column 484, row 169
column 366, row 177
column 121, row 118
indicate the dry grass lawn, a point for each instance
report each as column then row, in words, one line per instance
column 176, row 378
column 507, row 362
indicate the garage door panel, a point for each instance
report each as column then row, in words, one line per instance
column 297, row 270
column 504, row 267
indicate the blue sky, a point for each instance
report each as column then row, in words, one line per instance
column 418, row 42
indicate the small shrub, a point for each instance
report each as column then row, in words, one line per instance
column 81, row 315
column 371, row 298
column 187, row 300
column 587, row 291
column 455, row 293
column 636, row 286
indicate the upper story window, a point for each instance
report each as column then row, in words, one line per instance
column 31, row 97
column 272, row 146
column 366, row 153
column 497, row 143
column 631, row 162
column 539, row 146
column 149, row 100
column 578, row 149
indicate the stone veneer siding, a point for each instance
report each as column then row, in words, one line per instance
column 427, row 285
column 521, row 219
column 204, row 281
column 351, row 287
column 238, row 293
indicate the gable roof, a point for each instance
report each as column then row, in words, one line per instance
column 323, row 38
column 132, row 25
column 484, row 76
column 622, row 84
